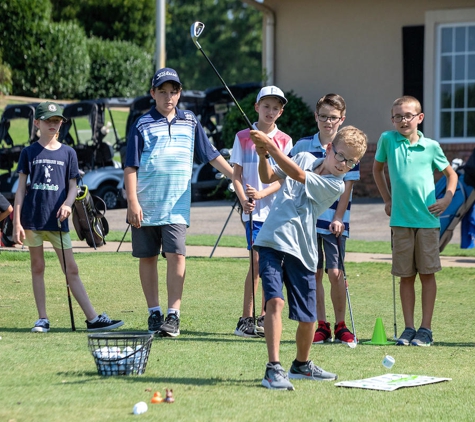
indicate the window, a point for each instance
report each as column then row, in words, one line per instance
column 455, row 102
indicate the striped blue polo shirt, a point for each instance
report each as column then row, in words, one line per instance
column 313, row 145
column 163, row 153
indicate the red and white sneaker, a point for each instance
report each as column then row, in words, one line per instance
column 323, row 333
column 342, row 334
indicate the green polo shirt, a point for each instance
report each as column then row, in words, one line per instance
column 411, row 172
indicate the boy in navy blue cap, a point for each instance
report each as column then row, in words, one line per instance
column 157, row 175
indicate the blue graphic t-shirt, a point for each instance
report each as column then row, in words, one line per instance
column 49, row 172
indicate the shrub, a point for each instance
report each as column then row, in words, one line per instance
column 5, row 78
column 297, row 120
column 58, row 65
column 118, row 69
column 18, row 24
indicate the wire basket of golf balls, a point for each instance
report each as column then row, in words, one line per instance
column 120, row 353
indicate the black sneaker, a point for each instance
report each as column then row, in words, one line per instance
column 104, row 323
column 155, row 321
column 260, row 326
column 41, row 326
column 246, row 328
column 171, row 326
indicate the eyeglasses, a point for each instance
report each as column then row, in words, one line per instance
column 341, row 159
column 408, row 117
column 332, row 119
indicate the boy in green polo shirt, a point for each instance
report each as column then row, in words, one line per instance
column 413, row 210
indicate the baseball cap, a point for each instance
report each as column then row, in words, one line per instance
column 48, row 109
column 271, row 91
column 165, row 75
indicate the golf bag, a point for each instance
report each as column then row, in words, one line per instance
column 88, row 218
column 462, row 202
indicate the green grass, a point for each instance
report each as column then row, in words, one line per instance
column 215, row 375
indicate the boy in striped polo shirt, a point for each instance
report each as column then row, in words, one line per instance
column 157, row 176
column 333, row 225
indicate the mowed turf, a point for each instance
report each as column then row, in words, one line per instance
column 215, row 375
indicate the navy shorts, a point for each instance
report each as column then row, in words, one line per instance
column 256, row 227
column 328, row 243
column 148, row 241
column 279, row 268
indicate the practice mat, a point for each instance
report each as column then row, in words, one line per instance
column 391, row 382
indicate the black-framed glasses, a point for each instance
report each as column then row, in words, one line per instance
column 332, row 119
column 351, row 164
column 408, row 117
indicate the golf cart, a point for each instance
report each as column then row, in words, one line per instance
column 9, row 152
column 102, row 173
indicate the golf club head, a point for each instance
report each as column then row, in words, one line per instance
column 196, row 30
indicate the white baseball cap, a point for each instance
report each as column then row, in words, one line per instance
column 271, row 91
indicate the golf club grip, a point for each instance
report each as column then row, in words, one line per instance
column 248, row 122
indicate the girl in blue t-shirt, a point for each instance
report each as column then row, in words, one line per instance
column 41, row 213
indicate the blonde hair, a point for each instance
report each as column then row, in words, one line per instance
column 352, row 137
column 407, row 99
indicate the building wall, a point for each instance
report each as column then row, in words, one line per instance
column 354, row 48
column 350, row 47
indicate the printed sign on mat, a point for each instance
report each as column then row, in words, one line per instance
column 391, row 382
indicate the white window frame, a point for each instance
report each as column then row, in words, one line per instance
column 435, row 21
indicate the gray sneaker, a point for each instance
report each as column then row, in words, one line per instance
column 423, row 338
column 310, row 371
column 276, row 378
column 260, row 326
column 406, row 337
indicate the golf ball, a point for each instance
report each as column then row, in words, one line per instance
column 388, row 361
column 140, row 407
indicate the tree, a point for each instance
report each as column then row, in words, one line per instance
column 231, row 39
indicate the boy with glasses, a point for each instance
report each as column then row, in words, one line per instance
column 287, row 244
column 413, row 210
column 333, row 225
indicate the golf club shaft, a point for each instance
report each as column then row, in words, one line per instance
column 394, row 295
column 71, row 315
column 251, row 257
column 340, row 256
column 248, row 122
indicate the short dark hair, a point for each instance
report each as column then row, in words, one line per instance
column 333, row 100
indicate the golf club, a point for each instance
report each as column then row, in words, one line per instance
column 196, row 30
column 71, row 315
column 394, row 295
column 123, row 237
column 350, row 345
column 251, row 257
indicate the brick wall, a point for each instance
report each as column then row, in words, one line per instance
column 366, row 188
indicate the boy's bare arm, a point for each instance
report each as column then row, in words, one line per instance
column 289, row 167
column 337, row 227
column 220, row 164
column 441, row 204
column 381, row 183
column 253, row 193
column 134, row 210
column 247, row 206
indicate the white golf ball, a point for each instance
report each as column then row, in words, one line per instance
column 140, row 407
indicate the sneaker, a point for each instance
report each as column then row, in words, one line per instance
column 260, row 326
column 342, row 334
column 310, row 371
column 155, row 321
column 41, row 326
column 245, row 328
column 104, row 323
column 406, row 337
column 323, row 333
column 171, row 326
column 423, row 338
column 276, row 378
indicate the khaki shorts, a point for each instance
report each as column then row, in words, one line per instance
column 415, row 251
column 34, row 238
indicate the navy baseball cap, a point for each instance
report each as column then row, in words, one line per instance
column 165, row 75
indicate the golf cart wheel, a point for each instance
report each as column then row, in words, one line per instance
column 110, row 195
